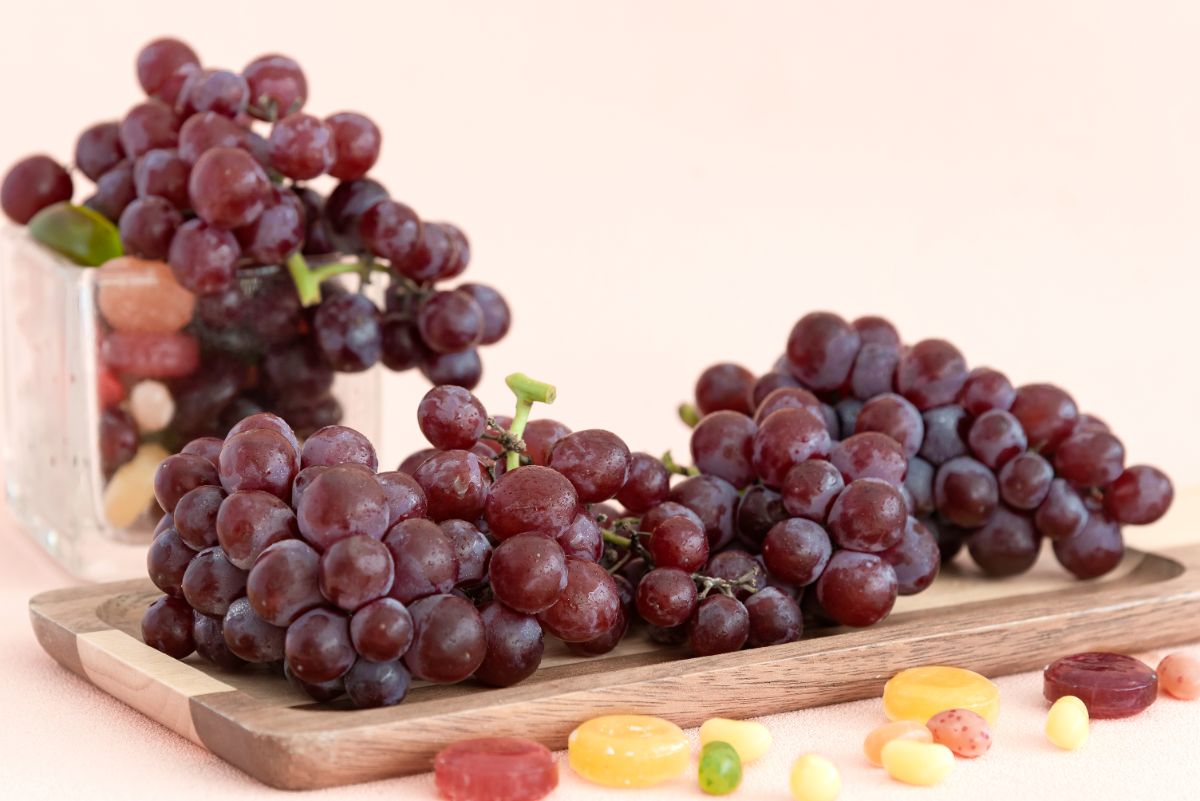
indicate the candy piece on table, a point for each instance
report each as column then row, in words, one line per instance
column 749, row 738
column 964, row 732
column 82, row 235
column 142, row 295
column 628, row 750
column 151, row 405
column 920, row 693
column 1110, row 685
column 1179, row 675
column 1067, row 723
column 814, row 778
column 720, row 770
column 495, row 769
column 911, row 762
column 131, row 489
column 897, row 730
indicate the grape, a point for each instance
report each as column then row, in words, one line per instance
column 401, row 348
column 1089, row 422
column 919, row 483
column 679, row 542
column 647, row 484
column 1007, row 544
column 114, row 191
column 376, row 684
column 656, row 515
column 759, row 509
column 514, row 646
column 847, row 411
column 258, row 459
column 166, row 561
column 449, row 639
column 870, row 455
column 179, row 474
column 892, row 415
column 784, row 439
column 950, row 538
column 318, row 239
column 796, row 551
column 167, row 626
column 382, row 630
column 496, row 316
column 269, row 422
column 857, row 589
column 195, row 516
column 450, row 322
column 945, row 434
column 249, row 522
column 98, row 150
column 666, row 596
column 461, row 369
column 1095, row 550
column 356, row 142
column 451, row 417
column 148, row 126
column 725, row 386
column 206, row 131
column 714, row 501
column 583, row 538
column 277, row 88
column 425, row 560
column 774, row 617
column 228, row 188
column 282, row 585
column 435, row 257
column 456, row 486
column 1025, row 480
column 931, row 373
column 738, row 566
column 209, row 636
column 874, row 370
column 219, row 91
column 916, row 558
column 349, row 332
column 203, row 258
column 148, row 226
column 596, row 462
column 344, row 501
column 405, row 498
column 336, row 445
column 459, row 255
column 415, row 460
column 876, row 331
column 987, row 389
column 589, row 604
column 472, row 551
column 528, row 573
column 301, row 146
column 540, row 438
column 355, row 571
column 821, row 350
column 211, row 582
column 606, row 642
column 298, row 366
column 1047, row 413
column 668, row 637
column 720, row 625
column 1140, row 495
column 530, row 498
column 722, row 445
column 162, row 67
column 249, row 637
column 162, row 173
column 33, row 184
column 996, row 437
column 1090, row 459
column 1062, row 514
column 118, row 439
column 869, row 515
column 965, row 492
column 768, row 383
column 345, row 207
column 317, row 646
column 321, row 692
column 390, row 230
column 278, row 232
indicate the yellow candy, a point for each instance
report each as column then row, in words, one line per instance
column 131, row 489
column 751, row 740
column 628, row 750
column 1067, row 723
column 881, row 736
column 920, row 693
column 913, row 762
column 815, row 778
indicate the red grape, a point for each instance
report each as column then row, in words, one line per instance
column 857, row 589
column 869, row 515
column 965, row 492
column 723, row 445
column 725, row 387
column 784, row 439
column 282, row 585
column 797, row 551
column 356, row 142
column 456, row 486
column 821, row 350
column 1090, row 459
column 1140, row 495
column 449, row 639
column 514, row 646
column 931, row 373
column 720, row 625
column 33, row 184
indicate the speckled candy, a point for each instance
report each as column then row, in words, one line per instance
column 1179, row 675
column 1110, row 685
column 495, row 769
column 964, row 732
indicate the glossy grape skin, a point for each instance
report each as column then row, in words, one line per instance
column 496, row 315
column 796, row 551
column 1140, row 495
column 277, row 86
column 541, row 436
column 451, row 417
column 945, row 434
column 758, row 509
column 986, row 389
column 450, row 322
column 739, row 566
column 167, row 560
column 283, row 583
column 714, row 501
column 870, row 455
column 148, row 126
column 321, row 692
column 965, row 492
column 218, row 91
column 343, row 501
column 595, row 461
column 868, row 516
column 390, row 230
column 876, row 330
column 147, row 227
column 857, row 589
column 874, row 370
column 1025, row 481
column 414, row 460
column 355, row 571
column 114, row 191
column 206, row 448
column 775, row 618
column 583, row 539
column 893, row 416
column 768, row 383
column 118, row 439
column 461, row 369
column 98, row 149
column 916, row 558
column 258, row 459
column 1062, row 514
column 401, row 346
column 209, row 637
column 278, row 232
column 786, row 438
column 357, row 141
column 606, row 642
column 931, row 373
column 269, row 422
column 1090, row 459
column 725, row 386
column 666, row 596
column 376, row 684
column 344, row 209
column 203, row 257
column 647, row 484
column 1094, row 551
column 227, row 187
column 1047, row 414
column 821, row 350
column 301, row 146
column 530, row 498
column 162, row 67
column 655, row 516
column 528, row 573
column 679, row 542
column 249, row 637
column 179, row 474
column 918, row 481
column 211, row 582
column 317, row 646
column 449, row 639
column 162, row 173
column 589, row 604
column 426, row 562
column 349, row 332
column 722, row 445
column 381, row 630
column 337, row 445
column 167, row 627
column 195, row 516
column 208, row 130
column 720, row 625
column 456, row 486
column 996, row 437
column 1006, row 545
column 788, row 398
column 514, row 646
column 404, row 496
column 472, row 551
column 31, row 185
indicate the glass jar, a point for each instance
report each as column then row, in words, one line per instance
column 96, row 518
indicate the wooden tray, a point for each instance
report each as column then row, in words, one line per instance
column 257, row 722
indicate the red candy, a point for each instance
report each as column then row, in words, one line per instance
column 964, row 732
column 495, row 769
column 1110, row 685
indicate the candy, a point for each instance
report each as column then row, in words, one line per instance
column 898, row 730
column 1067, row 723
column 1179, row 675
column 151, row 405
column 751, row 740
column 628, row 750
column 814, row 778
column 720, row 768
column 1111, row 685
column 147, row 355
column 495, row 769
column 131, row 489
column 920, row 693
column 911, row 762
column 962, row 731
column 141, row 295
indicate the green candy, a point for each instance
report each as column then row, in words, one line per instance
column 84, row 236
column 720, row 769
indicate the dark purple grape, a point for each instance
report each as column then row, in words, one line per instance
column 258, row 459
column 167, row 560
column 376, row 684
column 249, row 637
column 356, row 142
column 211, row 582
column 679, row 542
column 528, row 572
column 457, row 485
column 449, row 639
column 725, row 386
column 738, row 566
column 31, row 185
column 1006, row 545
column 857, row 589
column 1047, row 414
column 277, row 87
column 788, row 398
column 251, row 521
column 892, row 415
column 540, row 438
column 797, row 551
column 876, row 330
column 278, row 232
column 653, row 517
column 647, row 484
column 382, row 630
column 714, row 501
column 874, row 370
column 282, row 585
column 269, row 422
column 344, row 501
column 179, row 474
column 148, row 226
column 870, row 455
column 195, row 516
column 208, row 130
column 965, row 492
column 301, row 146
column 436, row 256
column 461, row 369
column 847, row 413
column 514, row 646
column 209, row 636
column 1090, row 422
column 821, row 350
column 318, row 239
column 203, row 258
column 1025, row 480
column 1140, row 495
column 869, row 516
column 758, row 510
column 987, row 389
column 228, row 188
column 916, row 558
column 345, row 207
column 405, row 498
column 317, row 646
column 390, row 230
column 595, row 461
column 1090, row 459
column 786, row 438
column 401, row 347
column 918, row 481
column 945, row 434
column 1062, row 514
column 148, row 126
column 114, row 191
column 768, row 383
column 996, row 437
column 1095, row 550
column 162, row 67
column 589, row 604
column 775, row 618
column 720, row 625
column 723, row 445
column 451, row 417
column 425, row 560
column 606, row 642
column 666, row 596
column 355, row 571
column 118, row 438
column 219, row 91
column 206, row 448
column 98, row 150
column 931, row 374
column 472, row 551
column 167, row 627
column 496, row 315
column 450, row 322
column 336, row 445
column 321, row 692
column 583, row 538
column 298, row 367
column 162, row 173
column 349, row 332
column 668, row 637
column 950, row 538
column 530, row 498
column 414, row 460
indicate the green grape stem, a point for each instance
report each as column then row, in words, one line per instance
column 528, row 391
column 689, row 415
column 674, row 467
column 308, row 279
column 706, row 584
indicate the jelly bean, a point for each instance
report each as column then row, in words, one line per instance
column 140, row 295
column 962, row 731
column 900, row 729
column 495, row 769
column 815, row 778
column 1111, row 685
column 150, row 355
column 720, row 768
column 920, row 693
column 109, row 389
column 82, row 235
column 130, row 491
column 911, row 762
column 750, row 739
column 628, row 750
column 151, row 406
column 1067, row 723
column 1179, row 675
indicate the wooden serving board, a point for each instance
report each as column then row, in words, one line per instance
column 259, row 723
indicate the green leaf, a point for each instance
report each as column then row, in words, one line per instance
column 84, row 236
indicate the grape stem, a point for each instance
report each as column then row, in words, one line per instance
column 528, row 391
column 689, row 415
column 706, row 584
column 308, row 279
column 674, row 467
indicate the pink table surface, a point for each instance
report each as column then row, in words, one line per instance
column 63, row 739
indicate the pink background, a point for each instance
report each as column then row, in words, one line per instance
column 657, row 186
